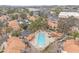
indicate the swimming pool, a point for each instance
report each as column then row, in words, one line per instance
column 41, row 38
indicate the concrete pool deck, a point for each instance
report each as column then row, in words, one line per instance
column 48, row 40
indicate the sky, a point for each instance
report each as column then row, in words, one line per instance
column 39, row 2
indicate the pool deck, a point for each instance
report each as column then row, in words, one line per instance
column 47, row 41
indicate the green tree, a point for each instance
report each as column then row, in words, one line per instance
column 75, row 34
column 14, row 17
column 1, row 24
column 23, row 15
column 57, row 10
column 24, row 26
column 16, row 33
column 10, row 11
column 8, row 29
column 38, row 24
column 31, row 13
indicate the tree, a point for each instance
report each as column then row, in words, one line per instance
column 10, row 11
column 24, row 26
column 16, row 33
column 65, row 24
column 57, row 11
column 75, row 34
column 31, row 13
column 8, row 29
column 23, row 15
column 43, row 14
column 26, row 10
column 2, row 25
column 13, row 17
column 0, row 32
column 24, row 23
column 38, row 24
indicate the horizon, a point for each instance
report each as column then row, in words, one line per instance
column 38, row 5
column 37, row 2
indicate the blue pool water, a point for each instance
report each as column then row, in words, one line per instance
column 41, row 38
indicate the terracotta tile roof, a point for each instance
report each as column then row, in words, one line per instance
column 14, row 45
column 71, row 46
column 32, row 18
column 52, row 23
column 14, row 24
column 30, row 37
column 56, row 34
column 3, row 17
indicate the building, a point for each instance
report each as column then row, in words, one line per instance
column 4, row 18
column 32, row 18
column 65, row 15
column 14, row 45
column 35, row 11
column 68, row 14
column 52, row 24
column 74, row 28
column 71, row 46
column 14, row 24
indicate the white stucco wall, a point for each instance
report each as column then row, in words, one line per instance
column 68, row 14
